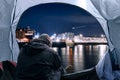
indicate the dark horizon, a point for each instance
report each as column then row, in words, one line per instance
column 59, row 18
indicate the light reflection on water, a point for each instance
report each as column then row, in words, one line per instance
column 81, row 57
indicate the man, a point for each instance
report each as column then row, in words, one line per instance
column 37, row 61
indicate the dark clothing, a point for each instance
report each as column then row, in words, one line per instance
column 37, row 61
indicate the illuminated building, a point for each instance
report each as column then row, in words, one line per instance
column 24, row 35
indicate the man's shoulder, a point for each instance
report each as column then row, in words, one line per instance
column 51, row 50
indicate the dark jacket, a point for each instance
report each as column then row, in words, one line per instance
column 37, row 61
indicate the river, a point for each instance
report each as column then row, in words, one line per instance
column 81, row 57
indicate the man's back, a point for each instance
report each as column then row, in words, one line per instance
column 37, row 62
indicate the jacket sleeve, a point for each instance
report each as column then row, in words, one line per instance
column 57, row 63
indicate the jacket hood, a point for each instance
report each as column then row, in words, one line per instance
column 37, row 45
column 35, row 48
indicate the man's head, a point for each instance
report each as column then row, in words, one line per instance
column 45, row 38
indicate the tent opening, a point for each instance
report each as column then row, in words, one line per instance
column 84, row 37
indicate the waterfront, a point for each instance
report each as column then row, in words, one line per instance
column 81, row 57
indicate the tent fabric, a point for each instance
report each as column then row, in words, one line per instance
column 115, row 36
column 110, row 10
column 105, row 11
column 6, row 7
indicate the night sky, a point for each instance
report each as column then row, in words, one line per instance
column 59, row 18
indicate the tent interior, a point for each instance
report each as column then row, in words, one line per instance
column 105, row 11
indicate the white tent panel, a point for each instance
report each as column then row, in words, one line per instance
column 110, row 10
column 6, row 7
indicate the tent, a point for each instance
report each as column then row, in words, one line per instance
column 107, row 12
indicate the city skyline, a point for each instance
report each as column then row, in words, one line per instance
column 25, row 35
column 60, row 18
